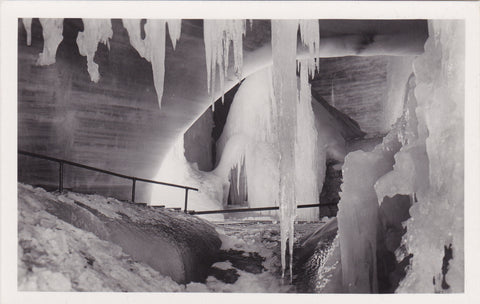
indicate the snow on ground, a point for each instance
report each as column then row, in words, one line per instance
column 54, row 255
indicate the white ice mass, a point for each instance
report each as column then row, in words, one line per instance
column 421, row 157
column 52, row 36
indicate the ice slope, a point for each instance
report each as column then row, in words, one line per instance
column 176, row 245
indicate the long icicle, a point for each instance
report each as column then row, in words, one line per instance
column 218, row 35
column 152, row 48
column 284, row 50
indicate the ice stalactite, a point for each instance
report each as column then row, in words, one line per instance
column 155, row 53
column 310, row 35
column 284, row 50
column 152, row 48
column 174, row 30
column 95, row 31
column 52, row 36
column 27, row 23
column 218, row 35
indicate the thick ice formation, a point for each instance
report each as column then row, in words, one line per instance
column 284, row 50
column 27, row 23
column 358, row 215
column 218, row 35
column 437, row 219
column 52, row 29
column 176, row 169
column 421, row 157
column 95, row 31
column 152, row 48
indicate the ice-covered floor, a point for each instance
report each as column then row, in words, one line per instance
column 54, row 255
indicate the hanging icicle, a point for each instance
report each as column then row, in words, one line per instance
column 155, row 53
column 52, row 36
column 152, row 48
column 95, row 31
column 27, row 23
column 218, row 35
column 174, row 30
column 284, row 50
column 310, row 35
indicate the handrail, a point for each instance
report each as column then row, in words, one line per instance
column 134, row 179
column 193, row 212
column 61, row 162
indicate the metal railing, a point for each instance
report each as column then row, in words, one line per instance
column 235, row 210
column 134, row 179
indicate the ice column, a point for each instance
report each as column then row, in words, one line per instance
column 95, row 31
column 27, row 23
column 218, row 35
column 437, row 220
column 152, row 48
column 52, row 36
column 284, row 49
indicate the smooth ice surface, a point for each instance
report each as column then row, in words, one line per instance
column 218, row 35
column 95, row 31
column 52, row 29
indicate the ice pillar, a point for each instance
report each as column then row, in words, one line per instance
column 284, row 49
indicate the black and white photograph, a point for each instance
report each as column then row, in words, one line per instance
column 272, row 155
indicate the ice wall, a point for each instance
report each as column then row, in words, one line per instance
column 422, row 157
column 52, row 36
column 437, row 219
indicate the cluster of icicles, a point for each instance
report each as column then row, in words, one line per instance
column 218, row 36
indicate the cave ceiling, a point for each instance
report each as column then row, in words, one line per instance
column 117, row 123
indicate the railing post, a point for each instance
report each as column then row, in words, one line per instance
column 60, row 177
column 134, row 180
column 186, row 199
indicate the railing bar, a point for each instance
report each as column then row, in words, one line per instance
column 166, row 184
column 254, row 209
column 101, row 170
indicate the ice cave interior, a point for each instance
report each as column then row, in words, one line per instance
column 361, row 118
